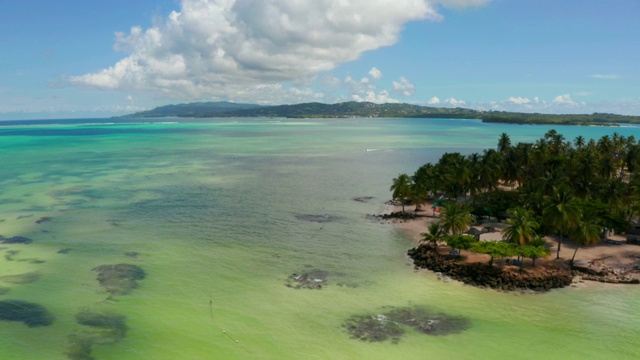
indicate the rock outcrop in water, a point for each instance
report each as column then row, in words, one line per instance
column 480, row 274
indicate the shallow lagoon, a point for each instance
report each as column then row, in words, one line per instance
column 220, row 213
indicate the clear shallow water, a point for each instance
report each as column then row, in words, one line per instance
column 212, row 210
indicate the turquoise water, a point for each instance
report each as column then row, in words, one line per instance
column 216, row 213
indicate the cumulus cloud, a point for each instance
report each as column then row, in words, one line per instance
column 433, row 101
column 564, row 100
column 454, row 102
column 375, row 97
column 404, row 87
column 375, row 73
column 518, row 100
column 254, row 49
column 605, row 76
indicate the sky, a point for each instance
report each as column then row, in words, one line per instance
column 79, row 58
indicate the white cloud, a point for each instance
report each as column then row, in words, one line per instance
column 235, row 49
column 453, row 102
column 404, row 87
column 379, row 97
column 518, row 100
column 433, row 101
column 375, row 73
column 564, row 100
column 605, row 76
column 462, row 3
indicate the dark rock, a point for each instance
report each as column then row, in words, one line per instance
column 363, row 199
column 64, row 251
column 478, row 274
column 29, row 313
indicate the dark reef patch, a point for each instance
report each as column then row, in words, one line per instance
column 44, row 219
column 15, row 240
column 313, row 279
column 362, row 199
column 373, row 328
column 30, row 314
column 319, row 218
column 64, row 251
column 102, row 328
column 119, row 279
column 10, row 254
column 393, row 323
column 20, row 279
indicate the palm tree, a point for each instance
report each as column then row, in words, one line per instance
column 455, row 218
column 522, row 226
column 401, row 188
column 561, row 212
column 504, row 143
column 434, row 234
column 579, row 141
column 584, row 233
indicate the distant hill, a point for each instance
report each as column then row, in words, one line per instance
column 198, row 109
column 367, row 109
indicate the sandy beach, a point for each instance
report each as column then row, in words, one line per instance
column 612, row 254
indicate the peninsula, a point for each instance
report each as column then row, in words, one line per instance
column 368, row 109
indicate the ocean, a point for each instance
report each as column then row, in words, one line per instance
column 241, row 238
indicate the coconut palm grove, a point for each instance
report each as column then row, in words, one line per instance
column 572, row 190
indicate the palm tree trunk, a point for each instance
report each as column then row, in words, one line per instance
column 559, row 245
column 574, row 254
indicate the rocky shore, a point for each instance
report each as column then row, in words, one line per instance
column 483, row 275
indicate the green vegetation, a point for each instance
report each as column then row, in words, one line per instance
column 367, row 109
column 551, row 187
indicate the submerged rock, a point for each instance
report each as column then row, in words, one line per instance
column 44, row 219
column 119, row 279
column 25, row 278
column 363, row 199
column 393, row 323
column 373, row 328
column 429, row 322
column 322, row 218
column 102, row 328
column 30, row 314
column 313, row 279
column 15, row 240
column 64, row 251
column 114, row 324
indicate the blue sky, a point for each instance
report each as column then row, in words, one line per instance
column 70, row 58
